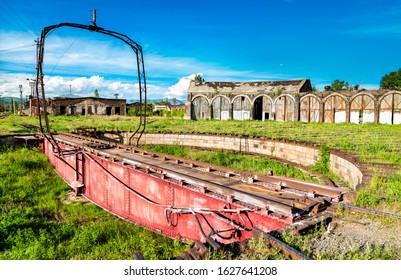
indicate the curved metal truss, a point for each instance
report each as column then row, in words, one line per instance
column 93, row 28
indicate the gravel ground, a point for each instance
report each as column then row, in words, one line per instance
column 353, row 237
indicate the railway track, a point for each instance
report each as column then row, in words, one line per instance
column 282, row 196
column 365, row 211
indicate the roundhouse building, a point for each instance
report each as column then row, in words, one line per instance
column 290, row 101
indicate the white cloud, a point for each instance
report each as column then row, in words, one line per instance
column 88, row 63
column 9, row 84
column 83, row 56
column 83, row 86
column 179, row 90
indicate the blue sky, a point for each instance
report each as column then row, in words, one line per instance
column 356, row 41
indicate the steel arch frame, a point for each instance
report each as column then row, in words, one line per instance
column 93, row 28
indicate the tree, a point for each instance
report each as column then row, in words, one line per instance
column 391, row 80
column 198, row 78
column 338, row 85
column 163, row 102
column 96, row 93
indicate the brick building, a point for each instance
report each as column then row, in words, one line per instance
column 86, row 106
column 290, row 101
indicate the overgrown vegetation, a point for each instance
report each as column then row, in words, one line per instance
column 383, row 193
column 322, row 164
column 37, row 221
column 370, row 142
column 256, row 249
column 170, row 113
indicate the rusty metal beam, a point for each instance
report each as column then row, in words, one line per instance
column 308, row 188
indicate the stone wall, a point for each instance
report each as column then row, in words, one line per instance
column 345, row 168
column 294, row 153
column 18, row 140
column 7, row 140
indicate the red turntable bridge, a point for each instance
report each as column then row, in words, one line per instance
column 182, row 198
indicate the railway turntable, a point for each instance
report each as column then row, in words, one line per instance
column 181, row 198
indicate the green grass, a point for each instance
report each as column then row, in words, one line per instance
column 259, row 165
column 256, row 249
column 383, row 194
column 36, row 223
column 370, row 142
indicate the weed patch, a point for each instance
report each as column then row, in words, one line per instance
column 382, row 193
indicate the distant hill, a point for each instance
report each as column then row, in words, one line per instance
column 8, row 100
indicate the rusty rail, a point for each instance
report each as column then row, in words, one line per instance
column 196, row 251
column 366, row 211
column 272, row 183
column 287, row 250
column 283, row 194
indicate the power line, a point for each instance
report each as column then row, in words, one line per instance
column 19, row 64
column 66, row 50
column 16, row 48
column 21, row 20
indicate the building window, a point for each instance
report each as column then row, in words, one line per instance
column 334, row 110
column 220, row 108
column 199, row 108
column 62, row 110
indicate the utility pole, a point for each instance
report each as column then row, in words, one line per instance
column 20, row 100
column 32, row 84
column 94, row 17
